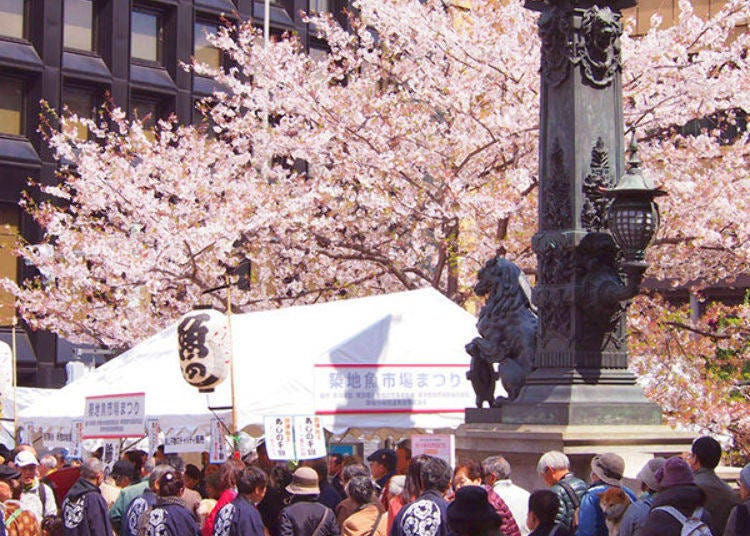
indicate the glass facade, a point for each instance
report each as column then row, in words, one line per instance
column 78, row 30
column 144, row 36
column 11, row 106
column 204, row 51
column 11, row 18
column 9, row 227
column 81, row 103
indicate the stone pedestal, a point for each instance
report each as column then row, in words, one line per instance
column 523, row 444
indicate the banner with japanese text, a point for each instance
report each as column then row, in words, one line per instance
column 114, row 416
column 110, row 453
column 185, row 441
column 152, row 432
column 309, row 439
column 279, row 434
column 76, row 428
column 438, row 445
column 341, row 389
column 217, row 451
column 297, row 437
column 58, row 438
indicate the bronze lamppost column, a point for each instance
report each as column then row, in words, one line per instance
column 580, row 362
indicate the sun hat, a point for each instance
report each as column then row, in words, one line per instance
column 25, row 458
column 608, row 467
column 470, row 506
column 304, row 482
column 676, row 472
column 647, row 474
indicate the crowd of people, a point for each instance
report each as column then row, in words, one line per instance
column 423, row 496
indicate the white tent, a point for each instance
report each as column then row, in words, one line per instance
column 24, row 397
column 284, row 366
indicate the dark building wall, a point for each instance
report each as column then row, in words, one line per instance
column 37, row 60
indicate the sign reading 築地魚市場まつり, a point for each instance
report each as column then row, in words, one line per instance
column 391, row 388
column 114, row 416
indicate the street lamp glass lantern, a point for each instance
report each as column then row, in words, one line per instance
column 633, row 216
column 633, row 223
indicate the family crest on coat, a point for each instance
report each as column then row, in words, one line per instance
column 508, row 331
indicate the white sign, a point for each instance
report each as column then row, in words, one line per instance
column 6, row 374
column 152, row 431
column 279, row 434
column 298, row 437
column 110, row 453
column 59, row 438
column 355, row 389
column 185, row 441
column 309, row 439
column 76, row 450
column 440, row 446
column 217, row 452
column 114, row 416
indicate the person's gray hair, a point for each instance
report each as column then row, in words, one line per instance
column 496, row 465
column 360, row 489
column 92, row 468
column 157, row 472
column 176, row 462
column 48, row 461
column 148, row 466
column 355, row 469
column 554, row 460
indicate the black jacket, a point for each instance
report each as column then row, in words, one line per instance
column 685, row 499
column 303, row 516
column 84, row 511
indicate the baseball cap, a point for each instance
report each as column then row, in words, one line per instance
column 387, row 457
column 25, row 458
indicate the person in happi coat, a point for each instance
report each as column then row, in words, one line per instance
column 142, row 503
column 241, row 516
column 170, row 516
column 84, row 510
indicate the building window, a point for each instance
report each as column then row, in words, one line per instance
column 11, row 18
column 148, row 110
column 145, row 36
column 204, row 51
column 9, row 224
column 11, row 106
column 319, row 6
column 81, row 103
column 78, row 32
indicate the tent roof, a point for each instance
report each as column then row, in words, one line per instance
column 274, row 357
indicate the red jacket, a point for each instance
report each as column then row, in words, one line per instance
column 227, row 496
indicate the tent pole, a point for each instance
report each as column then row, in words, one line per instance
column 231, row 366
column 15, row 379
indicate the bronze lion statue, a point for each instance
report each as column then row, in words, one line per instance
column 508, row 331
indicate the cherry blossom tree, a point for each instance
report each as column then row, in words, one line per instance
column 405, row 158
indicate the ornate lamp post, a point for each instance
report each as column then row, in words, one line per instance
column 595, row 221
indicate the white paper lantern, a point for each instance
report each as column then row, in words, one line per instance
column 204, row 346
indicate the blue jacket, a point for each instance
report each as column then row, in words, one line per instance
column 136, row 507
column 170, row 517
column 590, row 515
column 238, row 518
column 84, row 511
column 426, row 515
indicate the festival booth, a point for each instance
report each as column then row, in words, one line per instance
column 394, row 362
column 18, row 399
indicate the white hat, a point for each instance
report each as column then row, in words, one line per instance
column 25, row 458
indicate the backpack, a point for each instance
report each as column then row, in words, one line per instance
column 691, row 526
column 576, row 504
